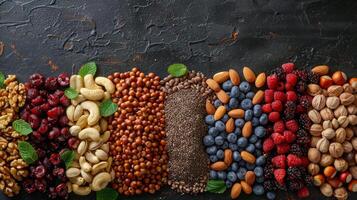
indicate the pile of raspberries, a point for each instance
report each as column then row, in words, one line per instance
column 286, row 145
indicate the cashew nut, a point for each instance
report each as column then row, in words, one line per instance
column 76, row 82
column 105, row 147
column 78, row 112
column 105, row 136
column 83, row 191
column 91, row 158
column 97, row 127
column 101, row 181
column 94, row 145
column 72, row 172
column 98, row 167
column 89, row 82
column 103, row 123
column 74, row 130
column 102, row 155
column 82, row 148
column 75, row 164
column 78, row 100
column 107, row 95
column 85, row 166
column 106, row 83
column 69, row 187
column 77, row 180
column 94, row 114
column 70, row 112
column 92, row 94
column 82, row 121
column 87, row 177
column 89, row 133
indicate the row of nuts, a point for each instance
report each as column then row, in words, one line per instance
column 333, row 149
column 91, row 168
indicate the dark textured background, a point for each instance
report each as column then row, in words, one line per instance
column 55, row 36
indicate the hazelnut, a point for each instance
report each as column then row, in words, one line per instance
column 336, row 149
column 340, row 135
column 313, row 89
column 334, row 182
column 319, row 102
column 352, row 186
column 350, row 158
column 353, row 83
column 339, row 78
column 326, row 190
column 323, row 145
column 314, row 155
column 328, row 133
column 327, row 124
column 352, row 119
column 326, row 114
column 343, row 121
column 353, row 171
column 347, row 88
column 314, row 140
column 340, row 111
column 332, row 102
column 347, row 147
column 334, row 90
column 347, row 98
column 315, row 116
column 349, row 133
column 341, row 193
column 319, row 179
column 325, row 81
column 340, row 164
column 352, row 109
column 316, row 129
column 313, row 168
column 354, row 143
column 335, row 123
column 330, row 171
column 326, row 160
column 324, row 92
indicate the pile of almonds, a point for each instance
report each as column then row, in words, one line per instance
column 333, row 147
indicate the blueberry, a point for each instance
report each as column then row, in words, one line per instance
column 223, row 134
column 258, row 189
column 236, row 156
column 271, row 195
column 209, row 119
column 263, row 119
column 233, row 147
column 241, row 163
column 225, row 118
column 217, row 103
column 233, row 103
column 258, row 171
column 241, row 96
column 259, row 179
column 250, row 148
column 231, row 176
column 242, row 142
column 250, row 166
column 234, row 166
column 250, row 95
column 258, row 144
column 225, row 145
column 213, row 158
column 219, row 140
column 208, row 140
column 226, row 86
column 229, row 184
column 257, row 109
column 246, row 104
column 260, row 131
column 220, row 154
column 237, row 131
column 260, row 161
column 232, row 138
column 213, row 131
column 212, row 150
column 239, row 123
column 248, row 115
column 258, row 153
column 235, row 92
column 241, row 173
column 220, row 126
column 222, row 175
column 253, row 138
column 255, row 121
column 212, row 174
column 244, row 86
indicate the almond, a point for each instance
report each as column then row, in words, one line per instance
column 222, row 96
column 248, row 74
column 236, row 113
column 260, row 81
column 234, row 76
column 247, row 129
column 258, row 97
column 230, row 125
column 219, row 166
column 314, row 89
column 248, row 157
column 221, row 110
column 249, row 177
column 246, row 188
column 210, row 109
column 213, row 85
column 320, row 70
column 220, row 77
column 236, row 190
column 228, row 157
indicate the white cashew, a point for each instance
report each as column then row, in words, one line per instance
column 69, row 187
column 78, row 112
column 103, row 123
column 83, row 191
column 94, row 114
column 76, row 82
column 101, row 181
column 74, row 130
column 72, row 172
column 70, row 112
column 85, row 166
column 97, row 127
column 99, row 167
column 89, row 133
column 82, row 148
column 75, row 164
column 91, row 158
column 102, row 155
column 107, row 95
column 78, row 100
column 106, row 83
column 87, row 177
column 92, row 94
column 82, row 121
column 89, row 82
column 77, row 180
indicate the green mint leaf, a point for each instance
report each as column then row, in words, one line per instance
column 22, row 127
column 67, row 158
column 177, row 70
column 71, row 93
column 2, row 80
column 88, row 68
column 107, row 194
column 107, row 108
column 216, row 186
column 27, row 152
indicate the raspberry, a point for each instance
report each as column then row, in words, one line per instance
column 272, row 81
column 277, row 138
column 279, row 175
column 291, row 96
column 292, row 125
column 279, row 161
column 293, row 160
column 267, row 108
column 268, row 145
column 291, row 79
column 304, row 161
column 289, row 136
column 279, row 127
column 288, row 67
column 282, row 148
column 277, row 106
column 278, row 95
column 303, row 192
column 281, row 87
column 268, row 96
column 289, row 87
column 274, row 116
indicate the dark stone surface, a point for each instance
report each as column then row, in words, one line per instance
column 55, row 36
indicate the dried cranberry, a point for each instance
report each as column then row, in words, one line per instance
column 51, row 83
column 59, row 93
column 36, row 110
column 55, row 145
column 29, row 186
column 54, row 112
column 41, row 153
column 61, row 190
column 54, row 133
column 53, row 100
column 37, row 101
column 37, row 80
column 58, row 172
column 45, row 107
column 63, row 79
column 40, row 171
column 43, row 127
column 40, row 185
column 63, row 121
column 37, row 137
column 53, row 193
column 32, row 93
column 46, row 163
column 25, row 115
column 34, row 121
column 43, row 93
column 73, row 143
column 55, row 159
column 65, row 101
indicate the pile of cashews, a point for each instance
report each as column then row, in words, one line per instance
column 91, row 167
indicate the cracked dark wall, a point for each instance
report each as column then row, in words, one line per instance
column 50, row 36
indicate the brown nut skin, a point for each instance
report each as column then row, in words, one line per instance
column 325, row 81
column 341, row 193
column 349, row 133
column 326, row 160
column 314, row 89
column 350, row 158
column 326, row 190
column 353, row 171
column 340, row 164
column 336, row 150
column 313, row 168
column 314, row 155
column 354, row 143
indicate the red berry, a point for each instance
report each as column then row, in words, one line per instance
column 51, row 83
column 282, row 148
column 63, row 79
column 291, row 96
column 277, row 106
column 267, row 108
column 279, row 161
column 291, row 79
column 292, row 125
column 289, row 87
column 54, row 113
column 279, row 175
column 274, row 116
column 36, row 110
column 37, row 80
column 277, row 138
column 34, row 121
column 288, row 67
column 53, row 100
column 55, row 159
column 268, row 145
column 280, row 87
column 293, row 160
column 272, row 81
column 54, row 133
column 65, row 101
column 289, row 136
column 303, row 192
column 278, row 95
column 268, row 96
column 279, row 126
column 37, row 101
column 40, row 171
column 32, row 93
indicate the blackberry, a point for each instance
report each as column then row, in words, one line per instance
column 293, row 173
column 279, row 72
column 305, row 101
column 301, row 86
column 269, row 185
column 268, row 171
column 304, row 121
column 302, row 74
column 313, row 78
column 305, row 141
column 302, row 133
column 281, row 187
column 289, row 112
column 297, row 150
column 308, row 180
column 295, row 185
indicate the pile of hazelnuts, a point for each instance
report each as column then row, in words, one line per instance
column 334, row 145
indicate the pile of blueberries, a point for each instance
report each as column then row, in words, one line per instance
column 217, row 139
